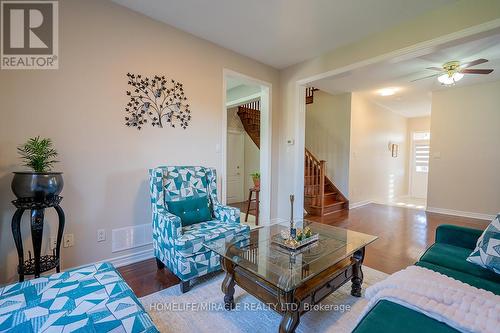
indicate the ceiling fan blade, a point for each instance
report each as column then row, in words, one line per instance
column 473, row 63
column 476, row 71
column 425, row 77
column 435, row 69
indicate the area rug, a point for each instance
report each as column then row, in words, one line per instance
column 202, row 309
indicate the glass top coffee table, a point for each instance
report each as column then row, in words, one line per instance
column 292, row 281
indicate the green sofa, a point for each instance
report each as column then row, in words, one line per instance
column 447, row 256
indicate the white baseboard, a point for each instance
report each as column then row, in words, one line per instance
column 471, row 215
column 359, row 204
column 131, row 258
column 123, row 260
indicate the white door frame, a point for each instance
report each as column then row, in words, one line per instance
column 265, row 141
column 412, row 166
column 299, row 106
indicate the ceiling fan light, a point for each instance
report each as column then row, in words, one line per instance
column 457, row 76
column 446, row 79
column 387, row 92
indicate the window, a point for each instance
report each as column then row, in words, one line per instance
column 421, row 157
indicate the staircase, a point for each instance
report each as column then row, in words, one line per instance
column 321, row 197
column 250, row 118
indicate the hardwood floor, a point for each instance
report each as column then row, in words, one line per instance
column 403, row 233
column 243, row 207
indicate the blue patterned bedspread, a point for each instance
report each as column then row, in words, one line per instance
column 90, row 299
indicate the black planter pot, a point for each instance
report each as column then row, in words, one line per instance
column 37, row 184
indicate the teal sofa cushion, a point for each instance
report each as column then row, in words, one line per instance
column 493, row 286
column 191, row 210
column 458, row 236
column 390, row 317
column 487, row 252
column 455, row 257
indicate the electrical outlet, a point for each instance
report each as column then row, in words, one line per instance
column 53, row 243
column 101, row 235
column 68, row 240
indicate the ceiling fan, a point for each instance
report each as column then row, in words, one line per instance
column 453, row 71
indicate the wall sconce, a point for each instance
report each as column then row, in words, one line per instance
column 394, row 149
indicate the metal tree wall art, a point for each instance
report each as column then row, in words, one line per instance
column 156, row 100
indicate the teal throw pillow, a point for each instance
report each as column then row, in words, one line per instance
column 191, row 210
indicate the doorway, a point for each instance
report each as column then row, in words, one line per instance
column 419, row 164
column 246, row 146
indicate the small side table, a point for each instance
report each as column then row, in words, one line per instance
column 38, row 264
column 253, row 190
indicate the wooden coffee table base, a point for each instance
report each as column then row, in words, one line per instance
column 294, row 303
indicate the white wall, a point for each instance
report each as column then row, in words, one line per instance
column 81, row 107
column 374, row 174
column 463, row 14
column 419, row 124
column 465, row 132
column 328, row 123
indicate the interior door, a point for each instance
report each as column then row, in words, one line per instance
column 235, row 165
column 420, row 164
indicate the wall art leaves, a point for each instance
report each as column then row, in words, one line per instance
column 158, row 101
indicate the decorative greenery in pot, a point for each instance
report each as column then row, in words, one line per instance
column 256, row 179
column 39, row 155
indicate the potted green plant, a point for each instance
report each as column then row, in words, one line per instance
column 256, row 179
column 39, row 155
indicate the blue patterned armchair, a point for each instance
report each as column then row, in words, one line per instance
column 181, row 248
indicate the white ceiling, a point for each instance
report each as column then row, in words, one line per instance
column 282, row 32
column 413, row 99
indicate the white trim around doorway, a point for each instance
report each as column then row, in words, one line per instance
column 265, row 141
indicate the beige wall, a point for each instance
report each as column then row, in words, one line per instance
column 459, row 15
column 328, row 122
column 419, row 124
column 81, row 107
column 465, row 134
column 374, row 174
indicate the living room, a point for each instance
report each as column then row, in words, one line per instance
column 115, row 117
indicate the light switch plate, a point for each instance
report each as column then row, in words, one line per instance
column 68, row 240
column 101, row 235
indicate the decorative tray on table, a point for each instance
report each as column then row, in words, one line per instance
column 299, row 242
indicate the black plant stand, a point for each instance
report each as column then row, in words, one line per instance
column 38, row 264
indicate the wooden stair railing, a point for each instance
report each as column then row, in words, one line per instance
column 321, row 196
column 249, row 114
column 310, row 94
column 314, row 180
